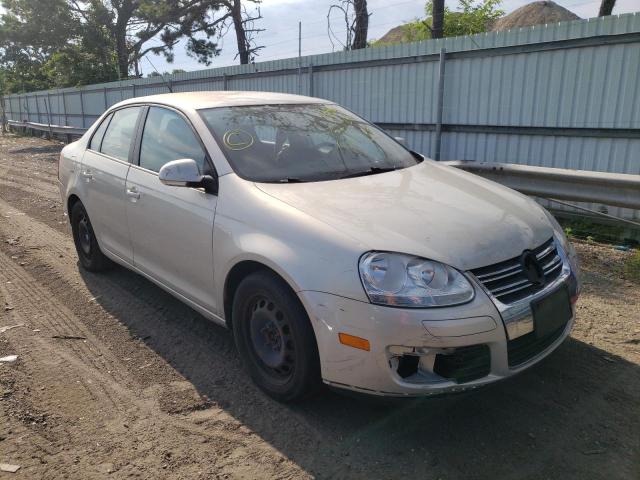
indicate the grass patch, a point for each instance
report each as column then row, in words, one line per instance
column 595, row 232
column 632, row 267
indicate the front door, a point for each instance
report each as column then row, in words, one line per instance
column 171, row 228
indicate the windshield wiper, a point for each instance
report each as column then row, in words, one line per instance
column 290, row 180
column 370, row 171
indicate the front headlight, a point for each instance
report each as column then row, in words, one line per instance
column 407, row 281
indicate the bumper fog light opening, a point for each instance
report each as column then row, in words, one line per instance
column 407, row 365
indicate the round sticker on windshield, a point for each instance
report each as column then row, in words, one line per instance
column 237, row 139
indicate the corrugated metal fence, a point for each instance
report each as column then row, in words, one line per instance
column 560, row 95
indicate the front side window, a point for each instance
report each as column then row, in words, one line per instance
column 96, row 140
column 306, row 143
column 167, row 136
column 120, row 132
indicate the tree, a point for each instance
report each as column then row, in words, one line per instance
column 361, row 25
column 471, row 18
column 43, row 45
column 134, row 23
column 356, row 20
column 606, row 7
column 46, row 43
column 437, row 16
column 243, row 23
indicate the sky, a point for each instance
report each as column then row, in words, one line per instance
column 281, row 17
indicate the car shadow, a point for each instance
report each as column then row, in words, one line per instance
column 567, row 417
column 35, row 150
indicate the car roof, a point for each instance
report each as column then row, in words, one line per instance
column 198, row 100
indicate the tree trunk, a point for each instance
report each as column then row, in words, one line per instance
column 241, row 37
column 124, row 12
column 437, row 27
column 361, row 25
column 122, row 53
column 606, row 7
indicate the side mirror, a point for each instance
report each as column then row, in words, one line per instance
column 185, row 173
column 180, row 173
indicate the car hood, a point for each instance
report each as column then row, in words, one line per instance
column 430, row 210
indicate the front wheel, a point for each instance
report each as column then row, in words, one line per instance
column 89, row 253
column 274, row 338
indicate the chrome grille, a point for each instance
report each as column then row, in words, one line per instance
column 508, row 282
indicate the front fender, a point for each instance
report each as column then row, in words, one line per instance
column 308, row 254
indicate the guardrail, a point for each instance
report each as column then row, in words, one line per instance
column 614, row 189
column 45, row 127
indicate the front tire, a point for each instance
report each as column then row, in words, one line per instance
column 275, row 339
column 89, row 253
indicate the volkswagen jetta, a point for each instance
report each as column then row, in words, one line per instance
column 334, row 253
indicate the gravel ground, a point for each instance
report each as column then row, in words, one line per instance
column 115, row 378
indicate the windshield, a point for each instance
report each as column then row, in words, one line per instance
column 302, row 143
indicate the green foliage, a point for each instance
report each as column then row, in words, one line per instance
column 43, row 45
column 172, row 72
column 470, row 18
column 632, row 267
column 583, row 228
column 61, row 43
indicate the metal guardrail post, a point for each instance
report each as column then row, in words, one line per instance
column 82, row 107
column 37, row 108
column 64, row 108
column 48, row 109
column 4, row 115
column 440, row 106
column 51, row 119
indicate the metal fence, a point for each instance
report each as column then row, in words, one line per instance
column 560, row 95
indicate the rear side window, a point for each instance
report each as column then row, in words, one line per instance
column 120, row 132
column 96, row 140
column 167, row 136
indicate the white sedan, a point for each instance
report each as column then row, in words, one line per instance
column 334, row 253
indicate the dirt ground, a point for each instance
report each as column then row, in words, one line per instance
column 116, row 379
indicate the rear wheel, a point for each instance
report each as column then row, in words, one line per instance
column 89, row 253
column 274, row 338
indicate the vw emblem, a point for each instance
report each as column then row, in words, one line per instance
column 532, row 268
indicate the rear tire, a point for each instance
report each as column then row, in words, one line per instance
column 275, row 339
column 89, row 253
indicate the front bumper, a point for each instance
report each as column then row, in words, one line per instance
column 418, row 352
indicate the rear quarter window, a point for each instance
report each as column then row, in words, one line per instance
column 96, row 139
column 120, row 133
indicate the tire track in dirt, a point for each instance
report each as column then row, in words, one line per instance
column 46, row 255
column 33, row 186
column 105, row 389
column 125, row 293
column 36, row 308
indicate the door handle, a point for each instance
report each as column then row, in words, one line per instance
column 87, row 175
column 133, row 193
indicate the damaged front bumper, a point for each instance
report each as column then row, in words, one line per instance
column 418, row 352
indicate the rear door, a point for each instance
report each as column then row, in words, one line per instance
column 104, row 171
column 171, row 228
